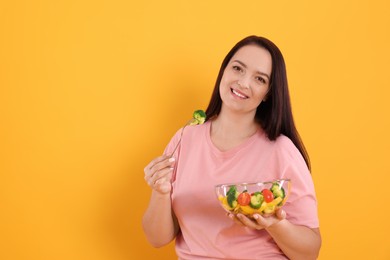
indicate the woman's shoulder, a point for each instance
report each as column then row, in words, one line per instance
column 284, row 142
column 190, row 132
column 193, row 129
column 284, row 146
column 196, row 129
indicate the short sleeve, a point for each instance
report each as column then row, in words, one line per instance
column 301, row 204
column 172, row 143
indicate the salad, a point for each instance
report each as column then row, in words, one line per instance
column 264, row 201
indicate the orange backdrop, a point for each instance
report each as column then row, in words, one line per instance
column 90, row 91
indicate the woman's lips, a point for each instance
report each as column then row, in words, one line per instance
column 239, row 94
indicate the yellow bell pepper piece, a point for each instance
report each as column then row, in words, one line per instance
column 275, row 202
column 262, row 207
column 247, row 210
column 271, row 206
column 225, row 204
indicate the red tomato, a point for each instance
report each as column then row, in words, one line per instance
column 268, row 196
column 244, row 199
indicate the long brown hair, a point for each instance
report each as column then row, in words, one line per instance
column 275, row 114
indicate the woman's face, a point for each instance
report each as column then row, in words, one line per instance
column 245, row 81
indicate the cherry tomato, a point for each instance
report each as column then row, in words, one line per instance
column 244, row 199
column 268, row 196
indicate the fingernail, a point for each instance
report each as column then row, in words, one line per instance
column 172, row 159
column 256, row 216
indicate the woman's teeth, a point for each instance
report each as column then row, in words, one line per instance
column 239, row 94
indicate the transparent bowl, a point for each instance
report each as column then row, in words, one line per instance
column 251, row 198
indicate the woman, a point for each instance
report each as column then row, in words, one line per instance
column 249, row 135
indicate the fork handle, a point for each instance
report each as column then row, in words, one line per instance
column 181, row 135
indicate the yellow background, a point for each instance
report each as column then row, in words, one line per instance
column 91, row 91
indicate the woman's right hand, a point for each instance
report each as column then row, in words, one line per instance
column 158, row 174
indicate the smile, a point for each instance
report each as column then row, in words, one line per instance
column 239, row 94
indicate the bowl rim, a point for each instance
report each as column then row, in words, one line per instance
column 251, row 183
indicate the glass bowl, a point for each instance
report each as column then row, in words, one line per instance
column 251, row 198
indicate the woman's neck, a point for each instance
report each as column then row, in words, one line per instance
column 230, row 130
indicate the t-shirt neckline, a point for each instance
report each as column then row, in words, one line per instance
column 232, row 151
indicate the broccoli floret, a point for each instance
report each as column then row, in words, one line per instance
column 277, row 190
column 199, row 117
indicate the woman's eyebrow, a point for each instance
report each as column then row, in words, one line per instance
column 243, row 64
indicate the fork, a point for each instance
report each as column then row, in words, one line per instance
column 181, row 135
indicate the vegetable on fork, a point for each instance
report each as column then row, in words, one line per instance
column 198, row 118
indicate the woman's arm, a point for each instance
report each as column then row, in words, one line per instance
column 296, row 242
column 159, row 222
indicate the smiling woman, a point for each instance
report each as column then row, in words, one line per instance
column 245, row 81
column 249, row 136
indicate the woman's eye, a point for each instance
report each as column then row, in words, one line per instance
column 237, row 68
column 260, row 79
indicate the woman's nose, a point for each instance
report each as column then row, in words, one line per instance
column 243, row 84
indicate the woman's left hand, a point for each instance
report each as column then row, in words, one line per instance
column 259, row 222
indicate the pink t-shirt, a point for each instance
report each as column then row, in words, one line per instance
column 205, row 230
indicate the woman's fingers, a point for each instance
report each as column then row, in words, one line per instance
column 158, row 173
column 154, row 168
column 161, row 174
column 154, row 162
column 255, row 224
column 163, row 185
column 162, row 163
column 280, row 214
column 258, row 221
column 269, row 220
